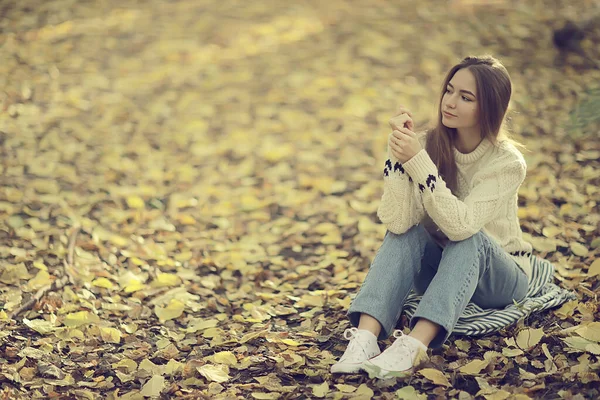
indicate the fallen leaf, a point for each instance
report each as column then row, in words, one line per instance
column 80, row 318
column 215, row 373
column 153, row 387
column 528, row 338
column 578, row 249
column 173, row 310
column 321, row 390
column 436, row 376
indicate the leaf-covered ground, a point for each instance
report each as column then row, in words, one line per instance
column 188, row 193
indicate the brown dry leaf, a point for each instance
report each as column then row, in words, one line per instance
column 590, row 331
column 578, row 249
column 436, row 376
column 474, row 367
column 528, row 338
column 215, row 198
column 594, row 269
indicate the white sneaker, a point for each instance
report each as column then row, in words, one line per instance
column 399, row 359
column 363, row 345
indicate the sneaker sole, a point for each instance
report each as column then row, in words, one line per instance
column 346, row 369
column 349, row 368
column 376, row 372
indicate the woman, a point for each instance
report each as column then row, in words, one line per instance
column 450, row 208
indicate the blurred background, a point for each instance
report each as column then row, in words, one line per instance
column 238, row 143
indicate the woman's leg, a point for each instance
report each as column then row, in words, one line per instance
column 389, row 281
column 476, row 269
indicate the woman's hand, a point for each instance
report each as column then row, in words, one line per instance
column 404, row 144
column 402, row 119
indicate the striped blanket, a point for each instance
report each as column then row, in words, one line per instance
column 542, row 294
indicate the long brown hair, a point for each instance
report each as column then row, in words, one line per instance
column 494, row 89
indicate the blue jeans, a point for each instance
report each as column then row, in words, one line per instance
column 476, row 269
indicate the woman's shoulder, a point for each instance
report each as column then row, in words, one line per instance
column 506, row 151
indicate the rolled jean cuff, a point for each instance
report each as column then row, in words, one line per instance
column 386, row 326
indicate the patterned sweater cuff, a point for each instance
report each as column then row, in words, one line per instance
column 420, row 167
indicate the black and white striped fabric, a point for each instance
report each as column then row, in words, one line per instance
column 542, row 294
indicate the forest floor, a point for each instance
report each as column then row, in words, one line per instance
column 188, row 193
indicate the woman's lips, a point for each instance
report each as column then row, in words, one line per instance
column 448, row 114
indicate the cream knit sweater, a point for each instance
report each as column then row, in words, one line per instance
column 488, row 181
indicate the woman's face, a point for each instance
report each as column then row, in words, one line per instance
column 460, row 100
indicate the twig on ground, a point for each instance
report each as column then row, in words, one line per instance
column 57, row 284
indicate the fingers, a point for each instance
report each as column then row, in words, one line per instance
column 402, row 118
column 406, row 131
column 403, row 110
column 399, row 121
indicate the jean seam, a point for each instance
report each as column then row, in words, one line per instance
column 465, row 284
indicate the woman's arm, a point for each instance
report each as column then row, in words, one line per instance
column 494, row 185
column 398, row 209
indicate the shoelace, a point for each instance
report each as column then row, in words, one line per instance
column 400, row 347
column 354, row 345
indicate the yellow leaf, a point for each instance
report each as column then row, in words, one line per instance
column 134, row 285
column 153, row 387
column 173, row 367
column 542, row 244
column 409, row 393
column 320, row 390
column 528, row 338
column 577, row 342
column 40, row 280
column 215, row 373
column 184, row 256
column 199, row 324
column 311, row 301
column 278, row 152
column 80, row 318
column 4, row 316
column 110, row 335
column 225, row 357
column 463, row 345
column 103, row 283
column 12, row 273
column 290, row 342
column 129, row 365
column 345, row 388
column 135, row 202
column 165, row 280
column 185, row 219
column 474, row 367
column 566, row 310
column 435, row 376
column 118, row 241
column 40, row 265
column 551, row 231
column 593, row 348
column 363, row 392
column 357, row 105
column 594, row 268
column 171, row 311
column 590, row 331
column 266, row 396
column 578, row 249
column 40, row 325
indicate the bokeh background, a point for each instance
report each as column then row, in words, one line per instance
column 188, row 189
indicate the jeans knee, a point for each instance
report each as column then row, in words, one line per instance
column 479, row 239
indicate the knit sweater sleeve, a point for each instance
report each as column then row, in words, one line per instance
column 398, row 209
column 492, row 187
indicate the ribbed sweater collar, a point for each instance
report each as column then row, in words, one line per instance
column 469, row 158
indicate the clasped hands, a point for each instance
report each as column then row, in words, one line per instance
column 403, row 141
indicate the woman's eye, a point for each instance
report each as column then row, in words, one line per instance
column 466, row 98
